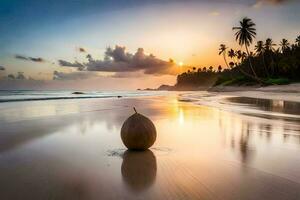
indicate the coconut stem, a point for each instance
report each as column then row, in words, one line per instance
column 135, row 110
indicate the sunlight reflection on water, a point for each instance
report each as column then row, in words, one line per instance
column 200, row 152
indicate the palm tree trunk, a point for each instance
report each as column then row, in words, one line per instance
column 225, row 60
column 250, row 61
column 265, row 66
column 272, row 63
column 250, row 76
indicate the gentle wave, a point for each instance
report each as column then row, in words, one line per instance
column 18, row 96
column 53, row 98
column 246, row 105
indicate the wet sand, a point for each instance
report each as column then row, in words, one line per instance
column 71, row 149
column 290, row 92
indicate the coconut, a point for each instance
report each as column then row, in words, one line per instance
column 138, row 132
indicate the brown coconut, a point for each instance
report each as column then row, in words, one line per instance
column 138, row 132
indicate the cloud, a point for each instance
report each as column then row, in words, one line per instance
column 76, row 64
column 275, row 1
column 73, row 75
column 21, row 57
column 37, row 59
column 260, row 3
column 82, row 50
column 2, row 68
column 18, row 76
column 214, row 13
column 118, row 60
column 127, row 75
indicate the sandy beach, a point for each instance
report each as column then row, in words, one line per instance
column 290, row 92
column 71, row 149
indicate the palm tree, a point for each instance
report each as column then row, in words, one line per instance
column 294, row 46
column 259, row 48
column 231, row 54
column 238, row 54
column 241, row 55
column 244, row 55
column 220, row 69
column 222, row 50
column 260, row 51
column 284, row 45
column 244, row 35
column 298, row 40
column 269, row 45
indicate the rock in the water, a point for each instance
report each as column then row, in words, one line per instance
column 77, row 92
column 138, row 132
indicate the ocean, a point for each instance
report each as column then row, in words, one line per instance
column 39, row 95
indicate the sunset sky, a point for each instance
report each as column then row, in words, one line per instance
column 62, row 44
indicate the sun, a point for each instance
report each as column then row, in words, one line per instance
column 180, row 64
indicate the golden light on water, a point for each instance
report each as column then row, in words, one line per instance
column 181, row 116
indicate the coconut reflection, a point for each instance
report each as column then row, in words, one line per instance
column 139, row 169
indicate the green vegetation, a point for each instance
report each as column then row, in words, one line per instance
column 269, row 64
column 238, row 80
column 278, row 81
column 197, row 78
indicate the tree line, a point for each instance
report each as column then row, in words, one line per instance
column 269, row 63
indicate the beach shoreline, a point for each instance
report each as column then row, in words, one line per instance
column 75, row 149
column 289, row 92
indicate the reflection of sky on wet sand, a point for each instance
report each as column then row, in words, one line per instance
column 61, row 149
column 279, row 106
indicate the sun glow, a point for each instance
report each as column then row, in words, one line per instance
column 180, row 64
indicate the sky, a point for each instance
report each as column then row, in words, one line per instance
column 125, row 44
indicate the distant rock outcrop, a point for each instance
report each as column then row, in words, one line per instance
column 78, row 93
column 165, row 87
